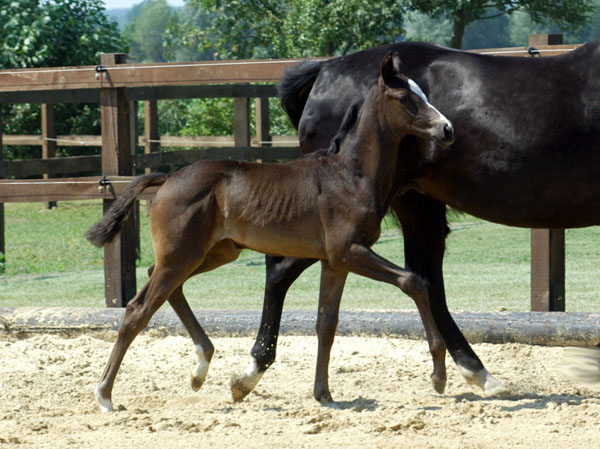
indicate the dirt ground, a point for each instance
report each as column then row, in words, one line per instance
column 385, row 400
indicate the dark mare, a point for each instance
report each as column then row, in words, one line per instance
column 527, row 154
column 327, row 206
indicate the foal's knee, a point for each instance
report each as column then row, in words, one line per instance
column 416, row 287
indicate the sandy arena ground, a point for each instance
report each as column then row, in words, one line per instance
column 385, row 400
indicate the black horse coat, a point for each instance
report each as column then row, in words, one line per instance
column 527, row 149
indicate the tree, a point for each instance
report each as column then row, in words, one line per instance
column 43, row 33
column 181, row 37
column 288, row 28
column 145, row 29
column 564, row 13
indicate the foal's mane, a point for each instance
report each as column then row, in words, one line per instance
column 348, row 123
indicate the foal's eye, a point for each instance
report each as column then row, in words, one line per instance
column 403, row 99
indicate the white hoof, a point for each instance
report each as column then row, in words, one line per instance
column 104, row 403
column 484, row 380
column 245, row 382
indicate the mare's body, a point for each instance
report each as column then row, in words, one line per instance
column 527, row 153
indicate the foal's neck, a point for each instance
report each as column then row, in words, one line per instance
column 371, row 148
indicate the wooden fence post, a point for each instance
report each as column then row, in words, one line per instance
column 2, row 243
column 48, row 139
column 263, row 129
column 151, row 137
column 545, row 39
column 547, row 245
column 548, row 270
column 241, row 122
column 119, row 255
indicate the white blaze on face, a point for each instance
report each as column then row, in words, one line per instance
column 416, row 89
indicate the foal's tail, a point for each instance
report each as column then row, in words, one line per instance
column 295, row 86
column 110, row 224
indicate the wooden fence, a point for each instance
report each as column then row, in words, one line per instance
column 118, row 87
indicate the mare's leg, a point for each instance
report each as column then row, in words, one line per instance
column 330, row 294
column 424, row 228
column 360, row 259
column 281, row 274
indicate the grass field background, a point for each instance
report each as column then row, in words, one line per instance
column 49, row 263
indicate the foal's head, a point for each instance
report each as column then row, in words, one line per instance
column 406, row 107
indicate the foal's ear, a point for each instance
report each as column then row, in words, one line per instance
column 390, row 67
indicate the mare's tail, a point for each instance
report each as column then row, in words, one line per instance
column 110, row 224
column 294, row 88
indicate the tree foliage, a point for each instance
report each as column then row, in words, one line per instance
column 147, row 23
column 288, row 28
column 42, row 33
column 53, row 33
column 567, row 14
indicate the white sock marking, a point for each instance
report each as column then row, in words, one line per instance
column 484, row 380
column 201, row 369
column 105, row 404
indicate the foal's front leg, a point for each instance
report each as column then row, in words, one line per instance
column 330, row 294
column 360, row 259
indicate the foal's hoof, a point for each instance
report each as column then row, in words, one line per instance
column 324, row 398
column 198, row 375
column 104, row 403
column 439, row 385
column 196, row 382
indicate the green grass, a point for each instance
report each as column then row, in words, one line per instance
column 49, row 263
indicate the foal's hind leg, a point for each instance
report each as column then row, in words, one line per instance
column 204, row 347
column 137, row 315
column 281, row 273
column 220, row 254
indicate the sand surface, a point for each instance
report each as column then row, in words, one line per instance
column 382, row 385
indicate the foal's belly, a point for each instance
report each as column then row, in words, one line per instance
column 291, row 239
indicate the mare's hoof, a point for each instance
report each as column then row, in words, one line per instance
column 242, row 384
column 439, row 385
column 484, row 380
column 239, row 389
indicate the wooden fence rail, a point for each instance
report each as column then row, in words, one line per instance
column 118, row 86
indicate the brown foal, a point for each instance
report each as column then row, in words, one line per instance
column 327, row 206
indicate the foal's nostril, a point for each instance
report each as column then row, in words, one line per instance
column 448, row 132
